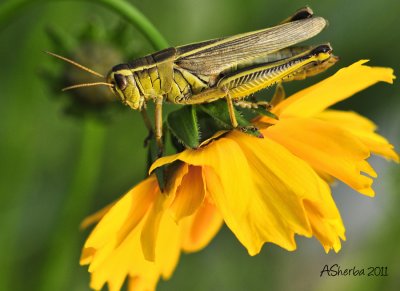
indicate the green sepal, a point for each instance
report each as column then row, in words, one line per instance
column 265, row 112
column 152, row 155
column 169, row 172
column 184, row 127
column 219, row 112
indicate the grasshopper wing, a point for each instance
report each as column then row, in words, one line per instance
column 210, row 58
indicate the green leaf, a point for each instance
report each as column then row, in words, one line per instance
column 219, row 112
column 184, row 126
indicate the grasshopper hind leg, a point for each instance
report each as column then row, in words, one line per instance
column 232, row 116
column 231, row 110
column 302, row 13
column 157, row 131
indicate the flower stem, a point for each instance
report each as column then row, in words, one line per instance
column 133, row 15
column 121, row 7
column 64, row 245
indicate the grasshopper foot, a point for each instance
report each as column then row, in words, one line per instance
column 264, row 104
column 252, row 130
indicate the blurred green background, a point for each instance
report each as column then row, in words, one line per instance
column 43, row 151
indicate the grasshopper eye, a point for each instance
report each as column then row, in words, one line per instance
column 120, row 81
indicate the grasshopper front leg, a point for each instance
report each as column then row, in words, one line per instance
column 149, row 127
column 158, row 124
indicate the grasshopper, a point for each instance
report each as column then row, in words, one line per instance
column 231, row 68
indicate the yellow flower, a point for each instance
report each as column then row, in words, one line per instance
column 138, row 236
column 265, row 190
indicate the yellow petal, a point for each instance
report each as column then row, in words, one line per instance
column 227, row 159
column 167, row 254
column 327, row 228
column 161, row 203
column 165, row 161
column 126, row 258
column 277, row 211
column 174, row 179
column 168, row 246
column 87, row 256
column 343, row 84
column 189, row 195
column 200, row 228
column 229, row 182
column 95, row 217
column 152, row 226
column 124, row 215
column 326, row 177
column 326, row 147
column 224, row 201
column 363, row 129
column 284, row 182
column 113, row 249
column 139, row 284
column 347, row 119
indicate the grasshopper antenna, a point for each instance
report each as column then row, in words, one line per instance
column 76, row 65
column 87, row 85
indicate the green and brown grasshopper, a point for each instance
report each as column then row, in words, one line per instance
column 231, row 68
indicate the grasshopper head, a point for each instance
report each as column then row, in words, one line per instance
column 124, row 86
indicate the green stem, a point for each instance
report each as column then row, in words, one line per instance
column 133, row 15
column 88, row 166
column 62, row 256
column 121, row 7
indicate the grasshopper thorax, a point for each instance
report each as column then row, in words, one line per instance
column 125, row 87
